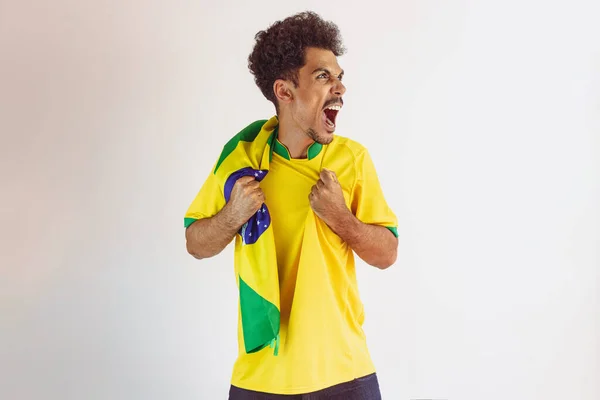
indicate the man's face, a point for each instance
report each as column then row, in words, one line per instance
column 318, row 97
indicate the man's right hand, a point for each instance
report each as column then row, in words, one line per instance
column 207, row 237
column 246, row 199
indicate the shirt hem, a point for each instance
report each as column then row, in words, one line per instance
column 299, row 389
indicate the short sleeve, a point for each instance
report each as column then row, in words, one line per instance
column 368, row 201
column 207, row 203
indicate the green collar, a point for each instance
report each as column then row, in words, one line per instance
column 313, row 150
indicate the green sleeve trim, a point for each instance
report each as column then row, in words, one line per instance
column 393, row 229
column 188, row 221
column 248, row 134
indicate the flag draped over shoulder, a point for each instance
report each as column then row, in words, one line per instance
column 248, row 154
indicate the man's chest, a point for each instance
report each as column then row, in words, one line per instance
column 286, row 189
column 287, row 186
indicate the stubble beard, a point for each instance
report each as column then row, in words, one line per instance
column 317, row 138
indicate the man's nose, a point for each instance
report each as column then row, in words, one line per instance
column 338, row 89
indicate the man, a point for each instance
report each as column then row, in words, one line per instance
column 324, row 201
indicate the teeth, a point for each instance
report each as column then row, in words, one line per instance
column 337, row 108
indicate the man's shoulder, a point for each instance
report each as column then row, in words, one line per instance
column 249, row 132
column 350, row 146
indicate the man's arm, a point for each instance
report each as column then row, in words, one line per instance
column 207, row 237
column 376, row 245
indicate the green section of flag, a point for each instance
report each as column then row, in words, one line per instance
column 260, row 319
column 248, row 134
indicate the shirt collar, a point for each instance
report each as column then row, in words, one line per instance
column 313, row 150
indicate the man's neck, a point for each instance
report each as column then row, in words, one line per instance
column 292, row 137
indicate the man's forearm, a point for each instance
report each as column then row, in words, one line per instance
column 376, row 245
column 207, row 237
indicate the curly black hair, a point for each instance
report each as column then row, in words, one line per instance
column 279, row 51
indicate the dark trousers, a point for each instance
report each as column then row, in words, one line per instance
column 365, row 388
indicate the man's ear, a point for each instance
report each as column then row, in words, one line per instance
column 283, row 91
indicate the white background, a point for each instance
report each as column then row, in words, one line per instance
column 483, row 120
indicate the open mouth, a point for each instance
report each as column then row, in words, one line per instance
column 330, row 114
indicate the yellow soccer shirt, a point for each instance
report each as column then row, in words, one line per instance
column 322, row 341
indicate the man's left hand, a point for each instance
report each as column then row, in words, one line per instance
column 327, row 198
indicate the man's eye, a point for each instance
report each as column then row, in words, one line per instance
column 322, row 76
